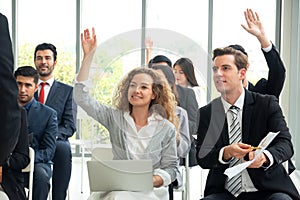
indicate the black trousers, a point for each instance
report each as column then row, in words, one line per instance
column 261, row 195
column 62, row 169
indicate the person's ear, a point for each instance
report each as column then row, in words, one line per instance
column 54, row 63
column 242, row 73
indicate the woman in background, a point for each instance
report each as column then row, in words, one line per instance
column 184, row 73
column 184, row 145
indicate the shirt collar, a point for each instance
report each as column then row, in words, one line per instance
column 152, row 117
column 239, row 102
column 49, row 81
column 27, row 106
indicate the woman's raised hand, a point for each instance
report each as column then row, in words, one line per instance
column 88, row 41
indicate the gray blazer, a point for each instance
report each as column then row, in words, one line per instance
column 162, row 145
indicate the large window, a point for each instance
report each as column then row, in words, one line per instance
column 177, row 29
column 118, row 28
column 227, row 19
column 180, row 29
column 51, row 22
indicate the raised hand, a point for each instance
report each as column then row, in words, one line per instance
column 148, row 43
column 88, row 41
column 148, row 46
column 255, row 27
column 89, row 46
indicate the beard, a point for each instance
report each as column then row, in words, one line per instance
column 45, row 73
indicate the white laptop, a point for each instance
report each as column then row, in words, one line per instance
column 120, row 175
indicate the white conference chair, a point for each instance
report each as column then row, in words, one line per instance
column 80, row 143
column 30, row 169
column 3, row 196
column 185, row 173
column 102, row 153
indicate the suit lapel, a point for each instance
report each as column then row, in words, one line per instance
column 247, row 115
column 217, row 124
column 52, row 93
column 32, row 112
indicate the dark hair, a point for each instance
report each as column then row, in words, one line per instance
column 170, row 78
column 160, row 58
column 238, row 47
column 187, row 67
column 240, row 59
column 27, row 71
column 46, row 46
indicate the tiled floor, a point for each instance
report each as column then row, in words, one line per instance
column 195, row 178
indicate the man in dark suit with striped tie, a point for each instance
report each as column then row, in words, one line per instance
column 257, row 115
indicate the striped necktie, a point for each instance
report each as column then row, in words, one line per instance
column 234, row 185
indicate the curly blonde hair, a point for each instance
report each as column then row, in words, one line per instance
column 164, row 102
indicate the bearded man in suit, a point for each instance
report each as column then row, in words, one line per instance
column 58, row 96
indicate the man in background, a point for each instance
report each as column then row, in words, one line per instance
column 42, row 124
column 276, row 76
column 58, row 96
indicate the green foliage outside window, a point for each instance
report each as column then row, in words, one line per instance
column 104, row 81
column 64, row 70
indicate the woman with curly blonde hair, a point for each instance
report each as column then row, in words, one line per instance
column 164, row 102
column 142, row 124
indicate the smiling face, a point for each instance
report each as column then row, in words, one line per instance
column 140, row 92
column 44, row 63
column 227, row 77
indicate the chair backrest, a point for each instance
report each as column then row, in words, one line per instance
column 30, row 169
column 185, row 173
column 102, row 153
column 3, row 196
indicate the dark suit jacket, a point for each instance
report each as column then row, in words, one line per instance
column 60, row 98
column 42, row 122
column 10, row 115
column 276, row 77
column 13, row 180
column 274, row 84
column 187, row 100
column 261, row 115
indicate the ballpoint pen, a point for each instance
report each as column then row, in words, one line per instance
column 255, row 148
